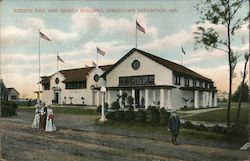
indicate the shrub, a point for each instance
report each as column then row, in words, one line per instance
column 201, row 127
column 99, row 108
column 118, row 115
column 219, row 129
column 239, row 130
column 115, row 105
column 153, row 115
column 110, row 115
column 164, row 116
column 8, row 108
column 130, row 102
column 129, row 115
column 188, row 125
column 140, row 116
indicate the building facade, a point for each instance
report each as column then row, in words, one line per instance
column 149, row 79
column 74, row 86
column 13, row 94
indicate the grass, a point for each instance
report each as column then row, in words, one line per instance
column 63, row 110
column 163, row 131
column 220, row 115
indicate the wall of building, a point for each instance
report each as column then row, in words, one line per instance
column 163, row 75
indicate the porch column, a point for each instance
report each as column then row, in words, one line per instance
column 146, row 98
column 210, row 99
column 169, row 106
column 120, row 100
column 215, row 99
column 196, row 99
column 108, row 95
column 133, row 95
column 203, row 99
column 161, row 98
column 154, row 96
column 97, row 98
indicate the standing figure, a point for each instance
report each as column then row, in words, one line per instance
column 35, row 124
column 43, row 116
column 174, row 126
column 50, row 124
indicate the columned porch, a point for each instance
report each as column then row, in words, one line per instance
column 143, row 96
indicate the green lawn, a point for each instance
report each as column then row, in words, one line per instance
column 81, row 110
column 220, row 115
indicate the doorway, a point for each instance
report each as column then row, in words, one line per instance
column 137, row 98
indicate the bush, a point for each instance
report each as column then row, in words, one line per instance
column 238, row 130
column 153, row 115
column 115, row 105
column 118, row 115
column 110, row 115
column 188, row 125
column 201, row 127
column 140, row 116
column 164, row 116
column 130, row 102
column 99, row 108
column 219, row 129
column 8, row 108
column 129, row 115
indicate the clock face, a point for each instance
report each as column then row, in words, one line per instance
column 136, row 64
column 96, row 77
column 57, row 80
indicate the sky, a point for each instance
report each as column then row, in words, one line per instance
column 76, row 28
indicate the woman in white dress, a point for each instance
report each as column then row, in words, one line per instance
column 50, row 124
column 36, row 121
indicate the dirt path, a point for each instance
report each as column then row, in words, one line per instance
column 90, row 142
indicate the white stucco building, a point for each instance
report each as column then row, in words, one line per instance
column 149, row 79
column 74, row 86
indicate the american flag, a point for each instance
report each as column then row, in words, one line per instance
column 139, row 27
column 59, row 59
column 43, row 36
column 101, row 51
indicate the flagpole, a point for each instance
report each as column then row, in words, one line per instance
column 135, row 33
column 39, row 66
column 57, row 61
column 96, row 57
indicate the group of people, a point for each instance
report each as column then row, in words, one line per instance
column 44, row 118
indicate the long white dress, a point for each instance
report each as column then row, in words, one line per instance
column 50, row 125
column 36, row 121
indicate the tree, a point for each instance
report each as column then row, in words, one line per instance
column 220, row 12
column 241, row 88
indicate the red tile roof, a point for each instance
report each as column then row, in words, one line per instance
column 75, row 75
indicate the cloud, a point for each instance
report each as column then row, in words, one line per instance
column 34, row 23
column 14, row 35
column 57, row 35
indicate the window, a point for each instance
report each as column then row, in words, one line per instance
column 186, row 82
column 194, row 83
column 46, row 86
column 76, row 85
column 201, row 84
column 137, row 80
column 177, row 79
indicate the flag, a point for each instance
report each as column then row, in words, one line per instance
column 139, row 27
column 43, row 36
column 183, row 51
column 94, row 64
column 100, row 51
column 59, row 59
column 86, row 66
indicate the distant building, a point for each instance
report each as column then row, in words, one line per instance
column 13, row 94
column 149, row 79
column 222, row 96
